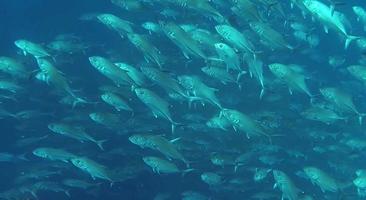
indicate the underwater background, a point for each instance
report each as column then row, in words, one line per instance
column 219, row 99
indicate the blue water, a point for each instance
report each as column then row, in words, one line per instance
column 40, row 21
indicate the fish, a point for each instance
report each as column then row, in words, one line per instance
column 161, row 166
column 158, row 106
column 284, row 183
column 34, row 49
column 53, row 154
column 322, row 179
column 93, row 168
column 74, row 132
column 111, row 71
column 341, row 100
column 334, row 20
column 121, row 26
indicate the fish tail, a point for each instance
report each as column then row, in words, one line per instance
column 240, row 74
column 349, row 39
column 261, row 94
column 174, row 126
column 360, row 117
column 184, row 172
column 100, row 144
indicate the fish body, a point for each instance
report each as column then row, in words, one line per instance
column 52, row 76
column 109, row 120
column 220, row 74
column 158, row 106
column 294, row 80
column 329, row 18
column 272, row 38
column 324, row 115
column 183, row 40
column 111, row 71
column 242, row 122
column 161, row 166
column 74, row 132
column 164, row 80
column 136, row 75
column 199, row 89
column 358, row 71
column 167, row 148
column 322, row 179
column 360, row 12
column 116, row 101
column 54, row 154
column 211, row 178
column 94, row 169
column 229, row 56
column 235, row 38
column 285, row 185
column 13, row 67
column 150, row 52
column 115, row 23
column 32, row 48
column 342, row 100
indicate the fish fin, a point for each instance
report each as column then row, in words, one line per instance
column 23, row 157
column 100, row 144
column 184, row 172
column 334, row 5
column 360, row 117
column 261, row 94
column 240, row 75
column 174, row 126
column 175, row 140
column 349, row 39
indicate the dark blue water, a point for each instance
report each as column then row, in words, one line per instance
column 41, row 20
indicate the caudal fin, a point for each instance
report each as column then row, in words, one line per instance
column 360, row 117
column 349, row 39
column 100, row 144
column 174, row 126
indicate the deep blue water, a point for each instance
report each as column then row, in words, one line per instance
column 41, row 20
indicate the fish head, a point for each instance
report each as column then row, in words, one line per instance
column 105, row 18
column 360, row 182
column 134, row 38
column 354, row 69
column 106, row 97
column 309, row 4
column 223, row 30
column 206, row 70
column 278, row 69
column 95, row 61
column 327, row 93
column 150, row 26
column 79, row 162
column 256, row 27
column 141, row 93
column 41, row 76
column 186, row 81
column 54, row 127
column 311, row 172
column 220, row 46
column 149, row 72
column 149, row 160
column 39, row 152
column 95, row 116
column 56, row 45
column 137, row 139
column 357, row 10
column 21, row 44
column 279, row 176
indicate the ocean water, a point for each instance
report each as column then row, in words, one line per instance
column 295, row 141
